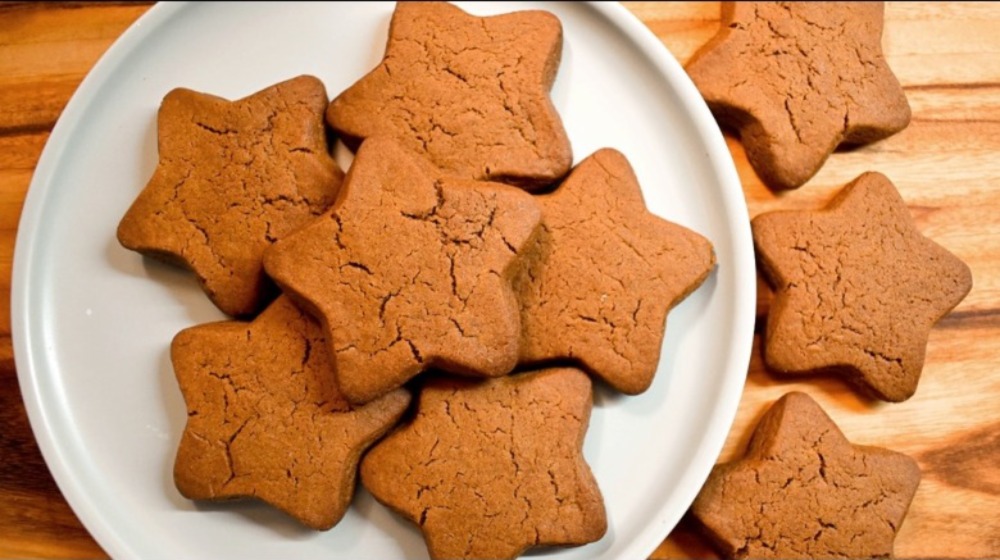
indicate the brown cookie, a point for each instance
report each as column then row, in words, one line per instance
column 603, row 273
column 857, row 288
column 803, row 491
column 232, row 178
column 469, row 93
column 797, row 79
column 408, row 271
column 489, row 469
column 265, row 418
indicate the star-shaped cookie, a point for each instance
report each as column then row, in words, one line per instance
column 857, row 288
column 489, row 469
column 603, row 274
column 232, row 178
column 797, row 79
column 408, row 271
column 469, row 93
column 804, row 491
column 265, row 418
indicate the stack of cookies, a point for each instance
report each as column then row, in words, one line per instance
column 462, row 259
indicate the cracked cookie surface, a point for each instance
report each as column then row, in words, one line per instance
column 857, row 288
column 488, row 469
column 797, row 79
column 265, row 418
column 469, row 93
column 408, row 271
column 804, row 491
column 232, row 178
column 603, row 273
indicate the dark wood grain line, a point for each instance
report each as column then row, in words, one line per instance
column 956, row 87
column 978, row 120
column 971, row 319
column 32, row 509
column 27, row 129
column 8, row 7
column 46, row 517
column 23, row 468
column 968, row 461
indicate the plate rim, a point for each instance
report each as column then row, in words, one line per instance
column 40, row 188
column 24, row 255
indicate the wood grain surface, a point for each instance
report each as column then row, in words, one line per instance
column 946, row 165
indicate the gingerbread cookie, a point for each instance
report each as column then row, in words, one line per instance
column 797, row 79
column 491, row 468
column 232, row 178
column 803, row 491
column 409, row 271
column 468, row 93
column 857, row 288
column 265, row 418
column 603, row 273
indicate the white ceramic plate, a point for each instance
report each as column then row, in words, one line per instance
column 93, row 322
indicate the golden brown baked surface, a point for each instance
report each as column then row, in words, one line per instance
column 490, row 468
column 797, row 79
column 597, row 284
column 471, row 94
column 857, row 288
column 265, row 418
column 233, row 177
column 409, row 271
column 804, row 491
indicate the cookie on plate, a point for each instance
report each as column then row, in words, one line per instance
column 796, row 79
column 857, row 288
column 233, row 177
column 410, row 271
column 265, row 418
column 604, row 272
column 471, row 94
column 804, row 491
column 488, row 469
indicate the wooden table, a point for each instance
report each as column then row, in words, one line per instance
column 946, row 165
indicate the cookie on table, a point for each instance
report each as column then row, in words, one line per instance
column 488, row 469
column 604, row 272
column 265, row 418
column 471, row 94
column 857, row 288
column 233, row 176
column 804, row 491
column 409, row 271
column 797, row 79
